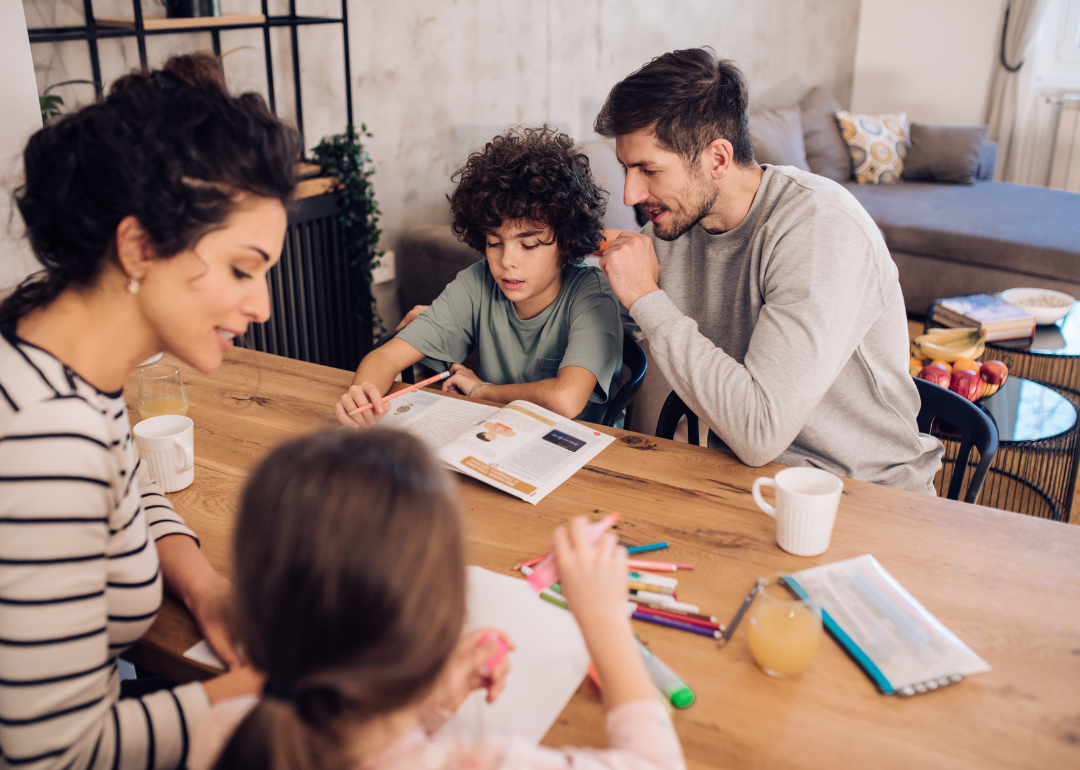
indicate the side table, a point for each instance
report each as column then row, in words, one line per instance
column 1034, row 470
column 1051, row 357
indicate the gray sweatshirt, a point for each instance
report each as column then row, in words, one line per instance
column 788, row 336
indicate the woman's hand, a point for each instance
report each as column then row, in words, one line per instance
column 238, row 682
column 356, row 397
column 469, row 668
column 461, row 380
column 592, row 577
column 211, row 606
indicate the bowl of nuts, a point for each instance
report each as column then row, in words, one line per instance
column 1047, row 306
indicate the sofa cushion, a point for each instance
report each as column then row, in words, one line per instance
column 944, row 153
column 877, row 144
column 777, row 136
column 826, row 151
column 1029, row 230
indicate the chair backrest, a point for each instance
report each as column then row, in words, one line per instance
column 975, row 427
column 672, row 412
column 635, row 360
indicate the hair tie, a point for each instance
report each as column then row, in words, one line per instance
column 166, row 81
column 275, row 688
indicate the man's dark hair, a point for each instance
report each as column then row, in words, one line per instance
column 535, row 174
column 690, row 97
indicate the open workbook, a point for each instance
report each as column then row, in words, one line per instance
column 521, row 448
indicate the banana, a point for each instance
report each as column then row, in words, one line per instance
column 949, row 337
column 949, row 352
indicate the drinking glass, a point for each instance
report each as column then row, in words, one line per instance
column 161, row 391
column 785, row 631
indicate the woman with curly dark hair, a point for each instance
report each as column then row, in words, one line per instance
column 546, row 327
column 156, row 213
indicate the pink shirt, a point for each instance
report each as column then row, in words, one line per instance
column 640, row 734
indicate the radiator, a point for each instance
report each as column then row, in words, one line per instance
column 1065, row 162
column 318, row 313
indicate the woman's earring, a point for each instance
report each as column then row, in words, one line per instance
column 133, row 284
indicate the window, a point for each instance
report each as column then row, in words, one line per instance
column 1059, row 45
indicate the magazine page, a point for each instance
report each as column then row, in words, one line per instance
column 435, row 418
column 524, row 449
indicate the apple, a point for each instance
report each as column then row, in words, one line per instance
column 937, row 374
column 967, row 384
column 994, row 372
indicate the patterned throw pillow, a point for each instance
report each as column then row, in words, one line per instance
column 878, row 145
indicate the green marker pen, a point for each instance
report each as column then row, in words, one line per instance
column 667, row 681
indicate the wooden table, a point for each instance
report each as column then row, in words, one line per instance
column 1006, row 584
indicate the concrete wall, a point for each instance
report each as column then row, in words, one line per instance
column 19, row 118
column 434, row 79
column 933, row 59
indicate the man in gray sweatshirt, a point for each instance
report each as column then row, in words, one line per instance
column 767, row 294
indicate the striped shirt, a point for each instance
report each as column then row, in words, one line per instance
column 79, row 577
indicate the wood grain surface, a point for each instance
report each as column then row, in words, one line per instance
column 1006, row 584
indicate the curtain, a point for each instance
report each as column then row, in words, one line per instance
column 1011, row 97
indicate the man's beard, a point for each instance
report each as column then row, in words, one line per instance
column 704, row 198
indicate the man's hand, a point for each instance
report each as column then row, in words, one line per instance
column 411, row 316
column 354, row 398
column 461, row 380
column 631, row 266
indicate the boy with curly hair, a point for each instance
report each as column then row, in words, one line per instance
column 546, row 327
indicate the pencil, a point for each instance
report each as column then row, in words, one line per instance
column 709, row 632
column 730, row 629
column 644, row 548
column 403, row 391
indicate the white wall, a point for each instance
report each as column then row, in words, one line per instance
column 19, row 118
column 434, row 79
column 930, row 58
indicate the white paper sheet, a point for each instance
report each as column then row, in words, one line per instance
column 546, row 668
column 201, row 653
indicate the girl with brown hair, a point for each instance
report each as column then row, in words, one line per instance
column 350, row 585
column 156, row 213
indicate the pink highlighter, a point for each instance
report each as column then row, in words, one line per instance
column 489, row 668
column 547, row 572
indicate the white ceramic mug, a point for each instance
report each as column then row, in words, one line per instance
column 167, row 446
column 806, row 503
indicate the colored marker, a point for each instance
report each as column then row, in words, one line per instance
column 709, row 632
column 662, row 601
column 656, row 580
column 674, row 689
column 646, row 548
column 682, row 618
column 636, row 586
column 553, row 599
column 547, row 572
column 403, row 391
column 502, row 647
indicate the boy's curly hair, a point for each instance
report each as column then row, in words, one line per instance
column 535, row 174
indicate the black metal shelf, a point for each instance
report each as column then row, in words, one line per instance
column 91, row 32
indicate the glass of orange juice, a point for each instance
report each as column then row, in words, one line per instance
column 161, row 391
column 785, row 631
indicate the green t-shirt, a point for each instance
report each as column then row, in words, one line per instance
column 581, row 327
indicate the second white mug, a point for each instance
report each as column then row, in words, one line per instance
column 805, row 510
column 167, row 446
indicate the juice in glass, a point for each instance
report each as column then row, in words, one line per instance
column 785, row 632
column 163, row 405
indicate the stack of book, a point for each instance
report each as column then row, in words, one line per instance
column 996, row 318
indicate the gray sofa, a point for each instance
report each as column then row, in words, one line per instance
column 953, row 239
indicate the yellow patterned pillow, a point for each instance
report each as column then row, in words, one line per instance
column 877, row 144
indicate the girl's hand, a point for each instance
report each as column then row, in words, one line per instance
column 461, row 380
column 211, row 606
column 356, row 397
column 468, row 669
column 592, row 577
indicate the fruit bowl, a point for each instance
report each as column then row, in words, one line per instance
column 1047, row 306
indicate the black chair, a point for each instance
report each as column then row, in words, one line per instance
column 976, row 429
column 635, row 360
column 672, row 412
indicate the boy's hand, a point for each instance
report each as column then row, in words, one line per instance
column 411, row 316
column 592, row 577
column 354, row 398
column 461, row 380
column 631, row 266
